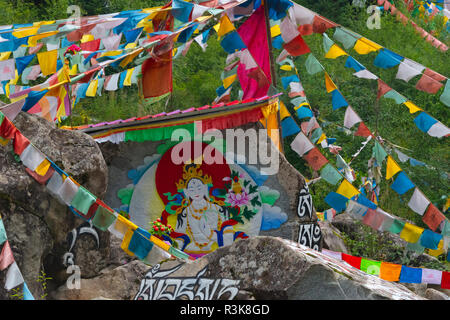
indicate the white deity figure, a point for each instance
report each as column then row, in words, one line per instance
column 201, row 216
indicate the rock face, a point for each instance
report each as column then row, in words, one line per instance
column 37, row 225
column 256, row 268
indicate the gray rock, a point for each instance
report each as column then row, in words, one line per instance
column 275, row 268
column 432, row 294
column 37, row 224
column 332, row 238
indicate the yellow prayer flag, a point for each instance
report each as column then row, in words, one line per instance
column 5, row 55
column 440, row 250
column 131, row 45
column 127, row 81
column 347, row 189
column 229, row 80
column 130, row 57
column 160, row 243
column 275, row 31
column 286, row 67
column 74, row 70
column 25, row 32
column 126, row 241
column 329, row 84
column 412, row 107
column 391, row 168
column 47, row 61
column 225, row 26
column 411, row 233
column 284, row 113
column 365, row 46
column 322, row 137
column 92, row 88
column 43, row 168
column 335, row 51
column 32, row 41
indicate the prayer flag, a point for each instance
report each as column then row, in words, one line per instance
column 347, row 189
column 370, row 266
column 365, row 74
column 390, row 271
column 329, row 84
column 330, row 174
column 402, row 183
column 338, row 100
column 433, row 217
column 365, row 46
column 352, row 63
column 335, row 52
column 373, row 219
column 391, row 168
column 315, row 159
column 428, row 84
column 363, row 131
column 31, row 157
column 431, row 276
column 140, row 244
column 410, row 275
column 351, row 260
column 378, row 153
column 408, row 69
column 346, row 37
column 424, row 121
column 412, row 107
column 83, row 200
column 3, row 236
column 7, row 69
column 296, row 46
column 157, row 75
column 351, row 118
column 13, row 277
column 288, row 30
column 392, row 94
column 430, row 239
column 397, row 226
column 232, row 42
column 312, row 64
column 387, row 59
column 47, row 61
column 6, row 256
column 445, row 97
column 411, row 233
column 103, row 218
column 418, row 202
column 438, row 130
column 336, row 201
column 68, row 191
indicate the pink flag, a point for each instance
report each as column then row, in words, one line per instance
column 254, row 34
column 6, row 257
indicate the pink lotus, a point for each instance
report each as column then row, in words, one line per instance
column 240, row 199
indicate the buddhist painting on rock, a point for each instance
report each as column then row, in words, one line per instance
column 208, row 202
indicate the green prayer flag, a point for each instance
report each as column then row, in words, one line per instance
column 340, row 162
column 370, row 266
column 83, row 200
column 416, row 247
column 3, row 236
column 103, row 218
column 312, row 64
column 2, row 116
column 445, row 97
column 397, row 226
column 379, row 153
column 327, row 43
column 316, row 135
column 346, row 37
column 330, row 174
column 392, row 94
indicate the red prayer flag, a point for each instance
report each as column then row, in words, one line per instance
column 320, row 24
column 41, row 179
column 20, row 142
column 6, row 256
column 363, row 131
column 305, row 29
column 428, row 84
column 157, row 75
column 351, row 260
column 297, row 46
column 315, row 159
column 383, row 88
column 433, row 217
column 93, row 45
column 7, row 129
column 445, row 281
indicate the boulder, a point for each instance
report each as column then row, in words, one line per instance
column 270, row 268
column 432, row 294
column 37, row 225
column 332, row 238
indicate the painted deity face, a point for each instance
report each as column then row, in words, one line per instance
column 196, row 189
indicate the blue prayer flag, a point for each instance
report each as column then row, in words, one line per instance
column 402, row 183
column 23, row 62
column 424, row 121
column 352, row 63
column 387, row 59
column 139, row 243
column 32, row 99
column 232, row 42
column 286, row 80
column 304, row 112
column 410, row 275
column 338, row 100
column 277, row 42
column 430, row 239
column 289, row 127
column 336, row 201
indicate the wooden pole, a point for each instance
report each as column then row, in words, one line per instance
column 273, row 73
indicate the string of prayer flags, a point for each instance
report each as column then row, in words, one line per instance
column 83, row 203
column 393, row 272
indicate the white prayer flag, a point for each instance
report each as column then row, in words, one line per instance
column 351, row 118
column 356, row 210
column 301, row 144
column 438, row 130
column 401, row 156
column 199, row 40
column 7, row 69
column 112, row 42
column 300, row 15
column 296, row 87
column 288, row 30
column 408, row 69
column 111, row 85
column 332, row 254
column 431, row 276
column 31, row 157
column 198, row 11
column 68, row 191
column 13, row 277
column 365, row 74
column 418, row 202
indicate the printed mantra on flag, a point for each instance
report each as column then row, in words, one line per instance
column 157, row 286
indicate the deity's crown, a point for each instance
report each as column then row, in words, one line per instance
column 191, row 171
